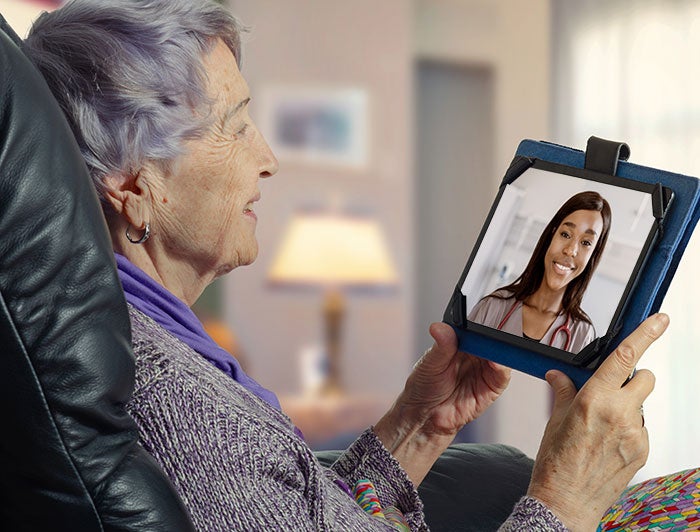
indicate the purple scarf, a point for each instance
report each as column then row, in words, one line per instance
column 175, row 317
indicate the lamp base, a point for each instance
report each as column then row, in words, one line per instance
column 333, row 313
column 331, row 388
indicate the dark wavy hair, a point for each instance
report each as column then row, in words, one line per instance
column 531, row 279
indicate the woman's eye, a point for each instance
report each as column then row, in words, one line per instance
column 587, row 243
column 564, row 234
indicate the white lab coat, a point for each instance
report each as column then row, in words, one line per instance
column 490, row 311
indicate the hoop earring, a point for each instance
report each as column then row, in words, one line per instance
column 146, row 234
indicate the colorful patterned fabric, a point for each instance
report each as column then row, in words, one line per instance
column 366, row 496
column 670, row 503
column 394, row 516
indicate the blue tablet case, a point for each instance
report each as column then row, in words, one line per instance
column 653, row 281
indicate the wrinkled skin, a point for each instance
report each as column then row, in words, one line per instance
column 446, row 390
column 596, row 440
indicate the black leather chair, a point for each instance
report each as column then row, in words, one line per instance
column 69, row 454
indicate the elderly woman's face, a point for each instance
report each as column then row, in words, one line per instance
column 205, row 215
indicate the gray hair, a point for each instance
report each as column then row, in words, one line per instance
column 129, row 73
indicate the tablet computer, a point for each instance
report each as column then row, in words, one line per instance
column 557, row 260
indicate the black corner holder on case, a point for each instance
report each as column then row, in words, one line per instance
column 603, row 155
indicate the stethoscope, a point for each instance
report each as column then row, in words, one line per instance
column 561, row 329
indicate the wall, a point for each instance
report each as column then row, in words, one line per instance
column 20, row 14
column 374, row 45
column 510, row 35
column 332, row 44
column 454, row 162
column 511, row 38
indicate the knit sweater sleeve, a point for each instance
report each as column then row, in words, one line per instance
column 368, row 459
column 234, row 459
column 532, row 515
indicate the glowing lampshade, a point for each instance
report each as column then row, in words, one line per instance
column 333, row 252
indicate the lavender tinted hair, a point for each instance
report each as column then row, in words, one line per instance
column 129, row 73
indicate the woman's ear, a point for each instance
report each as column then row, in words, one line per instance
column 130, row 197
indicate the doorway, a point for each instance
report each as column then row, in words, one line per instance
column 454, row 135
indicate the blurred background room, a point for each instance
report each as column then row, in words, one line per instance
column 393, row 122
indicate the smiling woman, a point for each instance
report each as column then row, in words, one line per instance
column 544, row 302
column 217, row 173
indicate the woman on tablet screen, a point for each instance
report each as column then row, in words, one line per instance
column 544, row 303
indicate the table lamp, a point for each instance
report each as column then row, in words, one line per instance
column 333, row 252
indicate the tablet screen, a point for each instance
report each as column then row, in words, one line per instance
column 558, row 257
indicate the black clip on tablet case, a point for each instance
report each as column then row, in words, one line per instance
column 605, row 157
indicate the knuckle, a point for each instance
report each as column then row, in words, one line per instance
column 639, row 460
column 649, row 332
column 649, row 377
column 626, row 355
column 586, row 399
column 634, row 446
column 642, row 454
column 652, row 381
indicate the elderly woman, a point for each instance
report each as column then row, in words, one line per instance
column 153, row 91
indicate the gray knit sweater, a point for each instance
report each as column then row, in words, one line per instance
column 238, row 464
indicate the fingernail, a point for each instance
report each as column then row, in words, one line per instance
column 550, row 377
column 660, row 322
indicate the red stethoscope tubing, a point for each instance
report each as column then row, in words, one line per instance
column 562, row 328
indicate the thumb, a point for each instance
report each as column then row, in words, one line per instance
column 444, row 336
column 564, row 392
column 442, row 351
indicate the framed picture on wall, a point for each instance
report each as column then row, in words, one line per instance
column 317, row 126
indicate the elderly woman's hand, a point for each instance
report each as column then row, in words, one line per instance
column 446, row 390
column 595, row 440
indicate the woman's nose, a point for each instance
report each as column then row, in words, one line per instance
column 571, row 249
column 270, row 163
column 266, row 158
